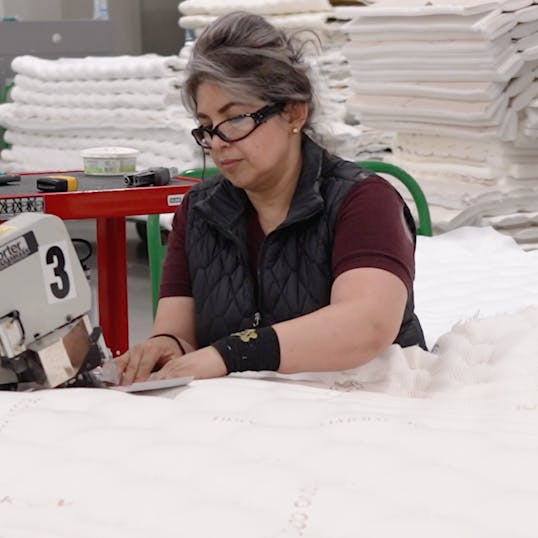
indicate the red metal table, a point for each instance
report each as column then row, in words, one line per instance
column 107, row 200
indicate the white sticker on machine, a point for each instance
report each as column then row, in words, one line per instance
column 57, row 272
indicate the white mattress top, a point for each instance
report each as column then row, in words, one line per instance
column 279, row 459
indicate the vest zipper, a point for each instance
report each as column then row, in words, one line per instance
column 259, row 301
column 258, row 315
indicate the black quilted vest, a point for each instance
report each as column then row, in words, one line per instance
column 294, row 274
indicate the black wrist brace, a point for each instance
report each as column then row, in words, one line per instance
column 251, row 349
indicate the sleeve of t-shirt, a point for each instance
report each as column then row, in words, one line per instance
column 176, row 280
column 371, row 231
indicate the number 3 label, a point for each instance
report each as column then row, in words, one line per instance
column 57, row 271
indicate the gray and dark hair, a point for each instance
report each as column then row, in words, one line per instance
column 246, row 55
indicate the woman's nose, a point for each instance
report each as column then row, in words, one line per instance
column 217, row 142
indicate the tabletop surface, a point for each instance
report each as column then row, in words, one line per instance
column 27, row 184
column 95, row 197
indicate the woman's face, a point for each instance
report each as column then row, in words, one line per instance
column 258, row 160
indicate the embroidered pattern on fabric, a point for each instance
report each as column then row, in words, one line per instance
column 247, row 335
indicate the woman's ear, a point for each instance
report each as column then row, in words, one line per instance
column 296, row 113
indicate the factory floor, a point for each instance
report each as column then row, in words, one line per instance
column 139, row 291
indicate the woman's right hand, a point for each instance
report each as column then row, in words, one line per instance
column 137, row 363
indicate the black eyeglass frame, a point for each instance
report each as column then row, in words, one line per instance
column 259, row 117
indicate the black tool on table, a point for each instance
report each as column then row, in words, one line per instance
column 56, row 183
column 9, row 179
column 151, row 176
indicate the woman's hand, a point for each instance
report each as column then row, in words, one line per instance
column 137, row 363
column 202, row 364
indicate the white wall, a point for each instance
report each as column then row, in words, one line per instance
column 138, row 25
column 32, row 10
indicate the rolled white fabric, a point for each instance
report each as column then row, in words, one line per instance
column 180, row 150
column 261, row 7
column 88, row 100
column 315, row 21
column 30, row 158
column 34, row 117
column 146, row 86
column 70, row 136
column 93, row 67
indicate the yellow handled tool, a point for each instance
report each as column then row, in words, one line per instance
column 56, row 183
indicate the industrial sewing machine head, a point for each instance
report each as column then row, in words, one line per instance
column 46, row 337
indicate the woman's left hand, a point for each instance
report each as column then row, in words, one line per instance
column 202, row 364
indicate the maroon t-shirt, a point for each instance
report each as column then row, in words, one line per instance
column 370, row 231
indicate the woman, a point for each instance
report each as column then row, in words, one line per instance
column 292, row 259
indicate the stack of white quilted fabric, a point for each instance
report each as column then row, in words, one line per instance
column 59, row 107
column 334, row 125
column 458, row 83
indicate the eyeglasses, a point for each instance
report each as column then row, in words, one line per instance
column 236, row 128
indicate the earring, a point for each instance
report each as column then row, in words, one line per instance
column 295, row 130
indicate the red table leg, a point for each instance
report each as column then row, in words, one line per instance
column 112, row 283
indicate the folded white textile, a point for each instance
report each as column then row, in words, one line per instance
column 139, row 101
column 453, row 63
column 94, row 67
column 152, row 85
column 521, row 82
column 261, row 7
column 523, row 140
column 28, row 159
column 514, row 5
column 463, row 91
column 530, row 131
column 163, row 135
column 524, row 171
column 349, row 141
column 500, row 170
column 482, row 173
column 346, row 13
column 525, row 97
column 508, row 130
column 527, row 42
column 332, row 59
column 315, row 21
column 513, row 220
column 171, row 149
column 487, row 26
column 528, row 14
column 494, row 206
column 530, row 53
column 33, row 117
column 532, row 113
column 524, row 29
column 502, row 72
column 437, row 110
column 470, row 362
column 497, row 153
column 447, row 192
column 435, row 48
column 414, row 8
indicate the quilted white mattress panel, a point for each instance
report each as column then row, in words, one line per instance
column 249, row 458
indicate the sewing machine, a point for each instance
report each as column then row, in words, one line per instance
column 46, row 337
